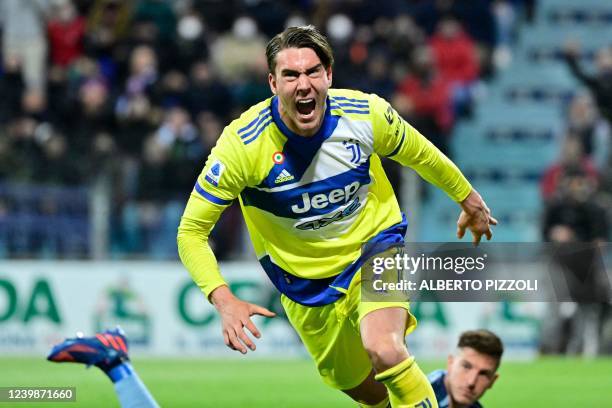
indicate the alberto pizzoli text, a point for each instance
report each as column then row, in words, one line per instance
column 496, row 285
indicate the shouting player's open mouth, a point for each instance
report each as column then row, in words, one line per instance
column 306, row 108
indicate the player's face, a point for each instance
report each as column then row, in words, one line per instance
column 470, row 374
column 301, row 82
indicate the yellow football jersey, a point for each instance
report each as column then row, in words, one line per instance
column 310, row 203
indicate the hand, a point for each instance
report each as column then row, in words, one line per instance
column 475, row 216
column 235, row 316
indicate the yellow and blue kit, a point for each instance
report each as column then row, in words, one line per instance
column 310, row 203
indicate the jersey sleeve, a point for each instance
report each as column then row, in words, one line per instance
column 222, row 179
column 398, row 140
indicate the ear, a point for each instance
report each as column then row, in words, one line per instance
column 329, row 75
column 449, row 362
column 272, row 83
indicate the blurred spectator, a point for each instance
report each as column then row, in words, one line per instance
column 584, row 122
column 210, row 127
column 21, row 132
column 270, row 14
column 89, row 123
column 56, row 164
column 454, row 52
column 423, row 97
column 185, row 151
column 234, row 54
column 24, row 43
column 144, row 218
column 254, row 86
column 476, row 17
column 160, row 14
column 456, row 62
column 572, row 157
column 66, row 30
column 378, row 77
column 191, row 40
column 207, row 92
column 135, row 111
column 575, row 217
column 108, row 22
column 404, row 38
column 8, row 160
column 505, row 23
column 172, row 90
column 600, row 83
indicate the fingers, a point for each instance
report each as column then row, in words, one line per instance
column 492, row 221
column 252, row 328
column 236, row 339
column 246, row 340
column 460, row 232
column 262, row 311
column 477, row 237
column 234, row 343
column 235, row 317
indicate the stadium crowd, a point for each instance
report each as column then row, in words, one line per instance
column 136, row 93
column 577, row 195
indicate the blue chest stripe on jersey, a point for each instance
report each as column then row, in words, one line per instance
column 247, row 127
column 210, row 197
column 280, row 203
column 320, row 292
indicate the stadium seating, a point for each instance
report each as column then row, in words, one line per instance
column 514, row 134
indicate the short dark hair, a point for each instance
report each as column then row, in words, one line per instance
column 483, row 341
column 300, row 37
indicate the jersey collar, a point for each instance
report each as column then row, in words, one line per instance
column 326, row 129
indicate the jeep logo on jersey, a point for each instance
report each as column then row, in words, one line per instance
column 322, row 200
column 325, row 221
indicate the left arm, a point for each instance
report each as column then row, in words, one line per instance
column 398, row 140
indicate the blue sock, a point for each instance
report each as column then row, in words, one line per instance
column 131, row 391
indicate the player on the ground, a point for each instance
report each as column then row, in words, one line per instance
column 470, row 372
column 305, row 165
column 108, row 351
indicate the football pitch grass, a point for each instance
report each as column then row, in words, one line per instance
column 255, row 383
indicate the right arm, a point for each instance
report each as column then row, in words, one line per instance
column 211, row 195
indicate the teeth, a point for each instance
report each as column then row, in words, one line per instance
column 305, row 101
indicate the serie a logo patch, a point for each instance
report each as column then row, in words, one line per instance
column 214, row 173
